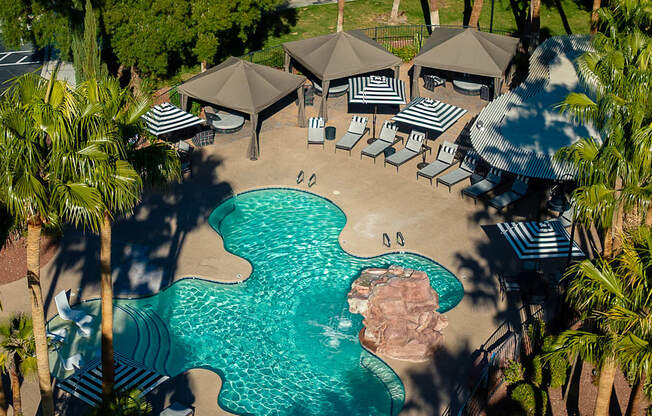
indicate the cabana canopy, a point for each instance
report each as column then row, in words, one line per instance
column 246, row 87
column 467, row 51
column 339, row 55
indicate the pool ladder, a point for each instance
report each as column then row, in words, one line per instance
column 311, row 181
column 400, row 240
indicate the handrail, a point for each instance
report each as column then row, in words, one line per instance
column 399, row 239
column 300, row 177
column 312, row 180
column 386, row 240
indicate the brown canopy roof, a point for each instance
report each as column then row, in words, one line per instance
column 467, row 50
column 241, row 85
column 340, row 55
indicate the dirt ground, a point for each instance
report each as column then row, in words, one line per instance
column 13, row 258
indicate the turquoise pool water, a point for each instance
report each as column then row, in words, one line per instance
column 283, row 340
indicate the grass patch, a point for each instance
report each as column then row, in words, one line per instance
column 312, row 21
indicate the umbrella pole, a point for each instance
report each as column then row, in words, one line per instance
column 375, row 110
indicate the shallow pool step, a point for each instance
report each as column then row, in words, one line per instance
column 153, row 343
column 388, row 377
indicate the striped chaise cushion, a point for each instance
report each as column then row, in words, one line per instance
column 315, row 122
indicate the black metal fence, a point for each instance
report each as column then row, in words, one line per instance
column 400, row 40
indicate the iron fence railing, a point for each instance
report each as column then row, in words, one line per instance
column 393, row 38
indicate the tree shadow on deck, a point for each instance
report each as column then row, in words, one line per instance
column 145, row 245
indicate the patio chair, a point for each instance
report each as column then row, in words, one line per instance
column 184, row 149
column 357, row 129
column 387, row 138
column 72, row 363
column 177, row 409
column 316, row 131
column 465, row 171
column 489, row 183
column 517, row 192
column 566, row 217
column 412, row 149
column 430, row 82
column 80, row 318
column 444, row 161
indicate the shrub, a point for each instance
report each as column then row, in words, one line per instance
column 513, row 373
column 558, row 367
column 533, row 401
column 406, row 53
column 536, row 375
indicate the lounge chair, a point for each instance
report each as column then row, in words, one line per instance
column 444, row 161
column 80, row 318
column 412, row 149
column 184, row 149
column 387, row 138
column 357, row 129
column 517, row 192
column 316, row 131
column 566, row 217
column 177, row 409
column 489, row 183
column 465, row 171
column 72, row 363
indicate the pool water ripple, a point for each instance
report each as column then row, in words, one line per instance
column 283, row 340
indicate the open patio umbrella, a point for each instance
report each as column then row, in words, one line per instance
column 539, row 239
column 429, row 114
column 166, row 118
column 376, row 90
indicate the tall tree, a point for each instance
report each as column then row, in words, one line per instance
column 86, row 54
column 535, row 17
column 614, row 171
column 474, row 20
column 35, row 129
column 434, row 12
column 118, row 176
column 595, row 17
column 393, row 16
column 340, row 15
column 17, row 354
column 613, row 300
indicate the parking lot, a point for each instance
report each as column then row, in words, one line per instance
column 16, row 63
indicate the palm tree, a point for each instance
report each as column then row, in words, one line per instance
column 612, row 297
column 118, row 177
column 17, row 354
column 129, row 403
column 35, row 125
column 340, row 15
column 614, row 173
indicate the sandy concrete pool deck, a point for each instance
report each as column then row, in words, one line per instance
column 376, row 199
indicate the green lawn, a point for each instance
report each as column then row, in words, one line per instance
column 317, row 20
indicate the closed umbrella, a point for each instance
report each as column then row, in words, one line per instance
column 166, row 118
column 376, row 90
column 539, row 239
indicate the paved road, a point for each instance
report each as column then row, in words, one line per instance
column 15, row 63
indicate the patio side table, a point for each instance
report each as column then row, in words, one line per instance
column 330, row 133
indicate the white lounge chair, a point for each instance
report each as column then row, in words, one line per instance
column 489, row 183
column 80, row 318
column 357, row 129
column 412, row 149
column 387, row 138
column 72, row 363
column 465, row 171
column 517, row 192
column 444, row 161
column 316, row 131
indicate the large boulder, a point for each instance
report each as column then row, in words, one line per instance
column 400, row 313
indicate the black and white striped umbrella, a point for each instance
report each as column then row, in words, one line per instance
column 429, row 114
column 86, row 384
column 375, row 89
column 166, row 118
column 539, row 240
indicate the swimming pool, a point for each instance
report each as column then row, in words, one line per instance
column 283, row 340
